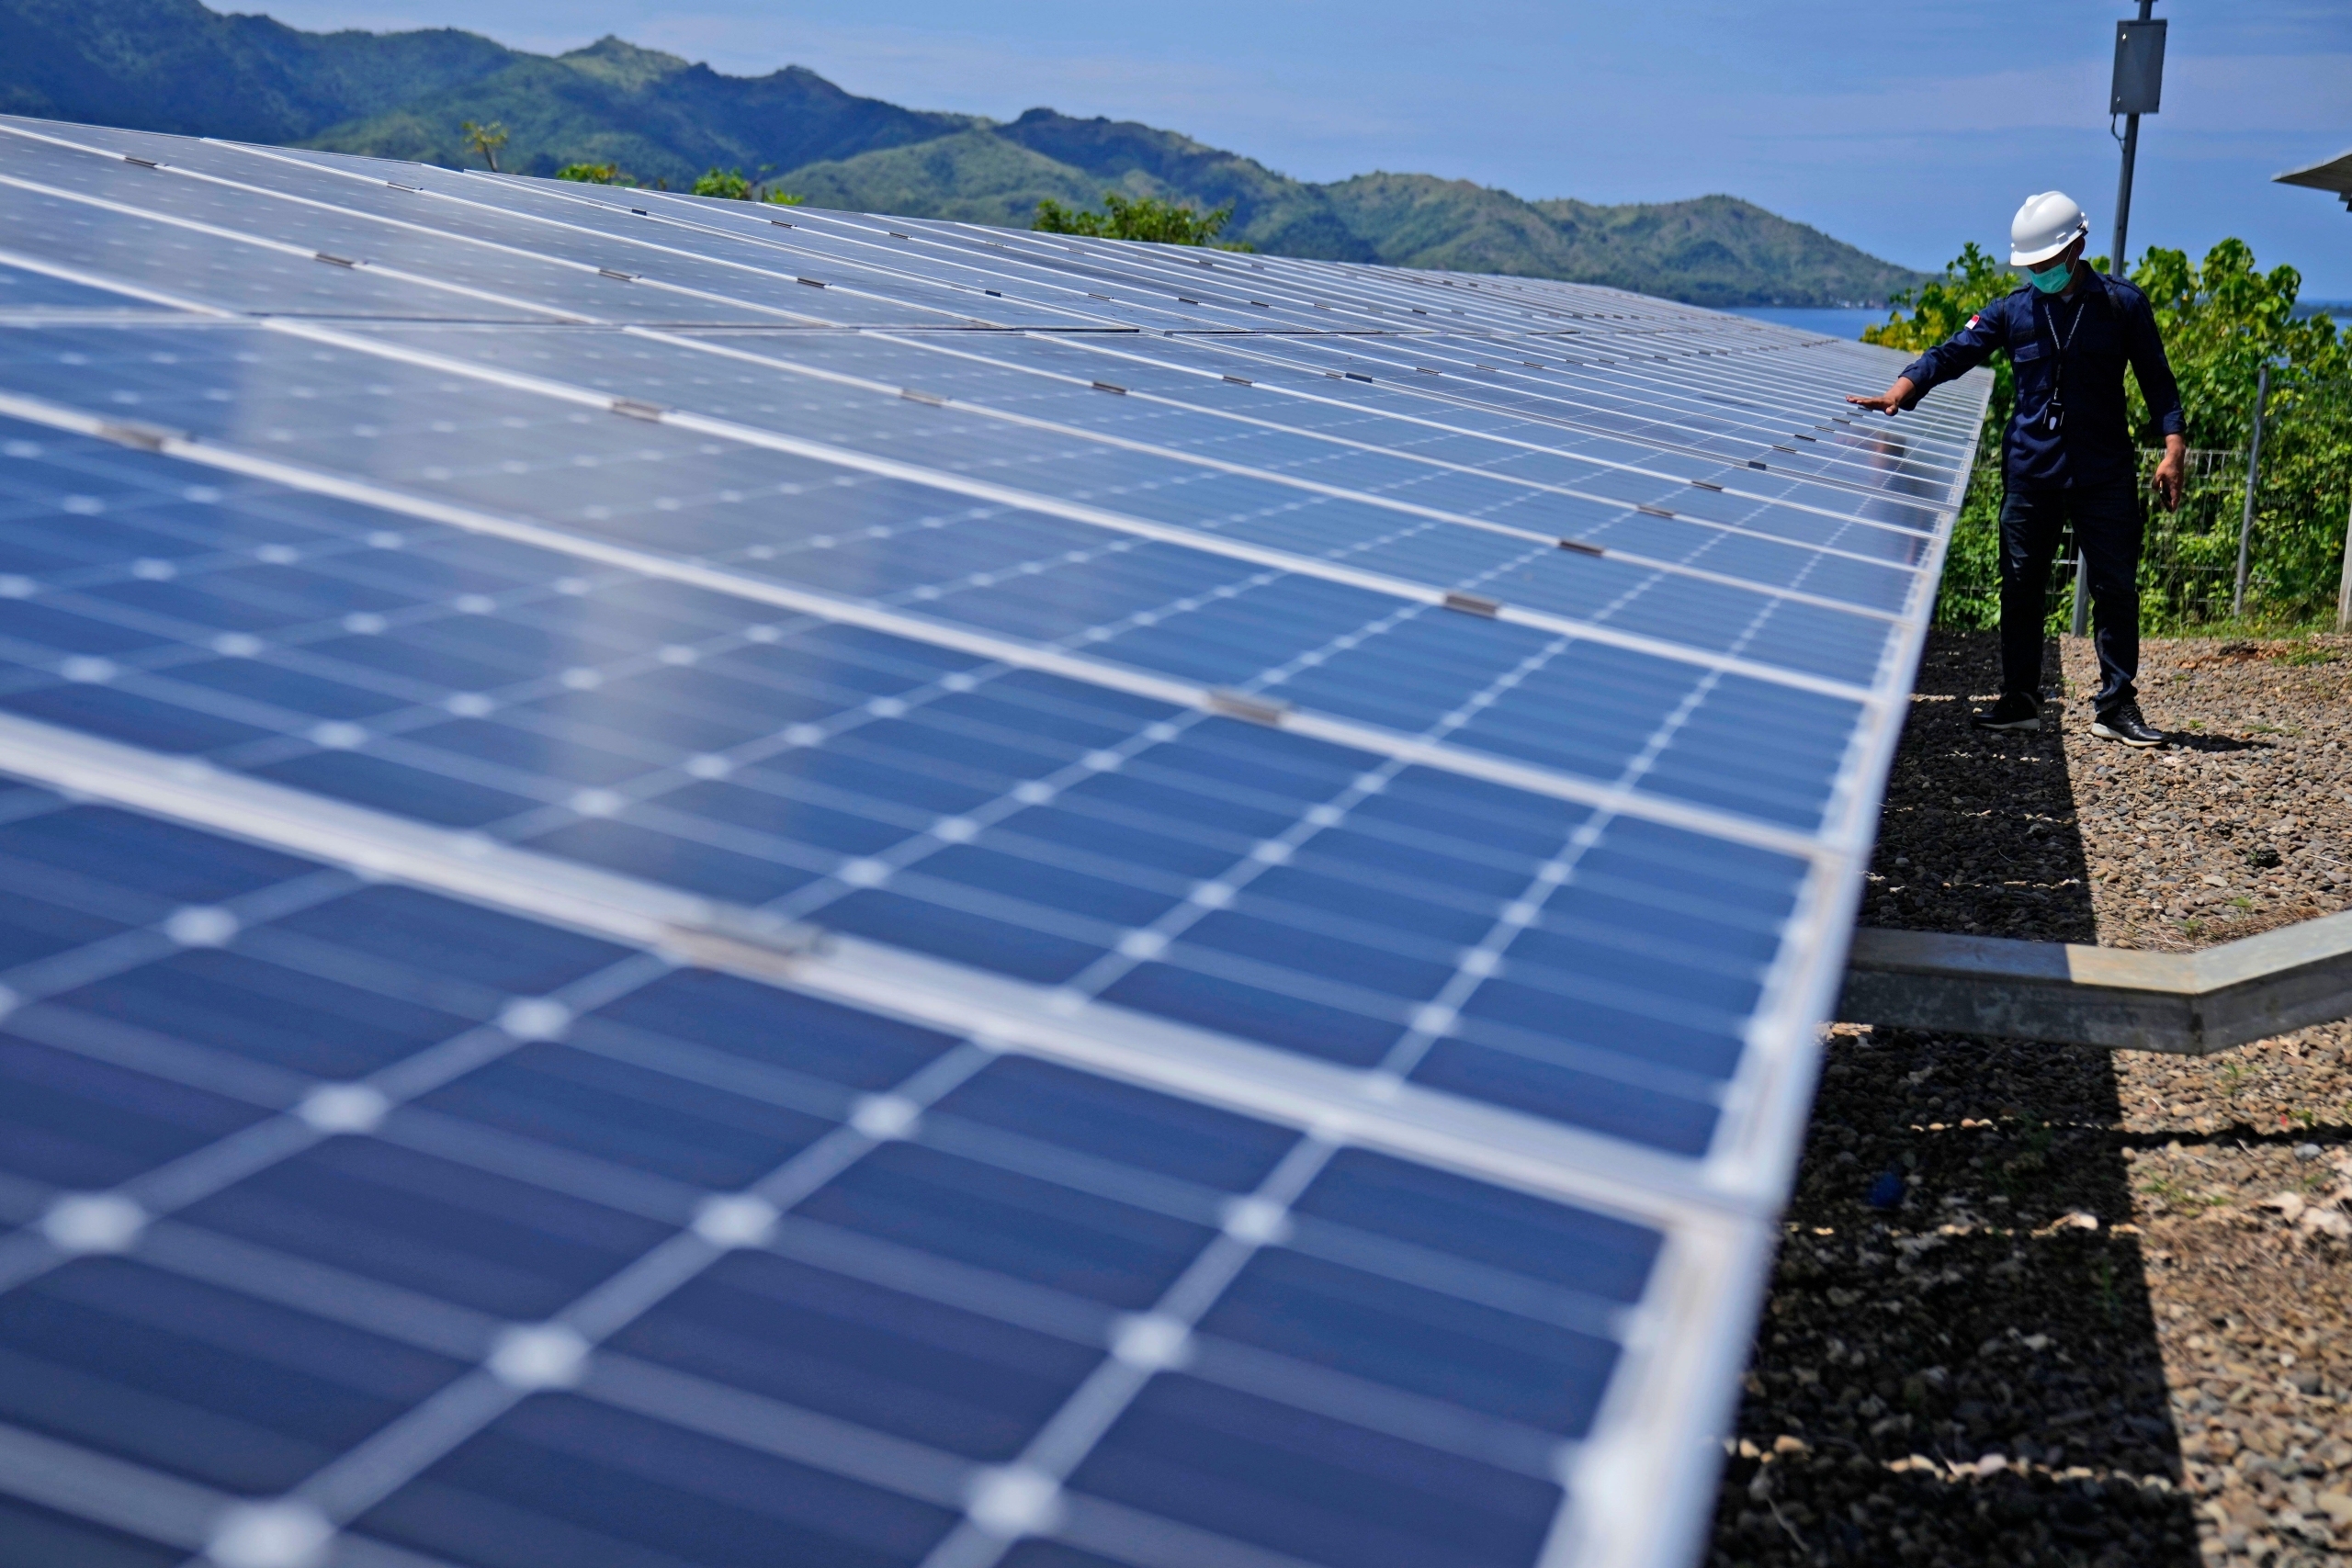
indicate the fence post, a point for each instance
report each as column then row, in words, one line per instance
column 2344, row 584
column 2253, row 477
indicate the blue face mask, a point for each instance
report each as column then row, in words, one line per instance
column 2051, row 279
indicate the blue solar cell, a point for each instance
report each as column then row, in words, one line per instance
column 74, row 1123
column 1294, row 1482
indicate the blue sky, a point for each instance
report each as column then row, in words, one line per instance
column 1902, row 126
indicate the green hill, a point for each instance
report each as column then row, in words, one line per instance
column 653, row 114
column 173, row 65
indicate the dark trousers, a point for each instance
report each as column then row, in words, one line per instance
column 2107, row 520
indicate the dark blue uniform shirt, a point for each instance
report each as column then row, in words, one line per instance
column 2105, row 324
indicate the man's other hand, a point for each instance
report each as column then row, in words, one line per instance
column 2172, row 472
column 1895, row 400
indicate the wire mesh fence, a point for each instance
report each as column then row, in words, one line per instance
column 2188, row 557
column 2296, row 575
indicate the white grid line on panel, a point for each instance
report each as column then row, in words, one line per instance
column 1293, row 481
column 1267, row 349
column 280, row 247
column 1558, row 404
column 454, row 237
column 1155, row 355
column 556, row 191
column 1176, row 694
column 1138, row 355
column 1029, row 501
column 465, row 1333
column 449, row 236
column 1024, row 1498
column 1417, row 1123
column 925, row 834
column 917, row 825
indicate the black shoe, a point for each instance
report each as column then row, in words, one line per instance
column 2015, row 710
column 2123, row 723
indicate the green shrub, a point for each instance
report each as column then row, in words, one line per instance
column 1139, row 217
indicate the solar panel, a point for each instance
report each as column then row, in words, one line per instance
column 698, row 884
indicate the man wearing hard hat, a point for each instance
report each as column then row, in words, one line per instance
column 2068, row 454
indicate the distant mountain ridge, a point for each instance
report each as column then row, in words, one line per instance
column 174, row 65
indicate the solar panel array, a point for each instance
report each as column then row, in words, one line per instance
column 701, row 883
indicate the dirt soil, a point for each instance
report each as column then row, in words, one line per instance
column 2101, row 1311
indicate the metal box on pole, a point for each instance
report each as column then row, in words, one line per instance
column 2139, row 67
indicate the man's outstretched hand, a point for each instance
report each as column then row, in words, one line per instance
column 1895, row 400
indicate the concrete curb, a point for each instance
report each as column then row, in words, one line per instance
column 2190, row 1003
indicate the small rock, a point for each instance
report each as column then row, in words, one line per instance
column 1991, row 1464
column 2307, row 1151
column 2289, row 1205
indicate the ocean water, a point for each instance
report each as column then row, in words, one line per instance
column 1828, row 322
column 1848, row 323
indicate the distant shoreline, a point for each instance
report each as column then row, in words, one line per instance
column 1848, row 322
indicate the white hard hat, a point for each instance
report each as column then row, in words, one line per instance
column 2048, row 222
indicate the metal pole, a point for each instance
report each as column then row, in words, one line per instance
column 2253, row 477
column 2123, row 186
column 2116, row 259
column 2344, row 585
column 2115, row 265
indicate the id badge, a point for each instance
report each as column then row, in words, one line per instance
column 2054, row 419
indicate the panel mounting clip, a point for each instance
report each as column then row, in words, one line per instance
column 1241, row 704
column 1473, row 604
column 146, row 438
column 733, row 938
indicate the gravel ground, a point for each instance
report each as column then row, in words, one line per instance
column 2102, row 1312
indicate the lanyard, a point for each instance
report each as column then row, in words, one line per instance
column 2058, row 371
column 2053, row 412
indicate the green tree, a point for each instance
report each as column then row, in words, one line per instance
column 1138, row 218
column 731, row 185
column 595, row 175
column 728, row 183
column 2223, row 319
column 485, row 140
